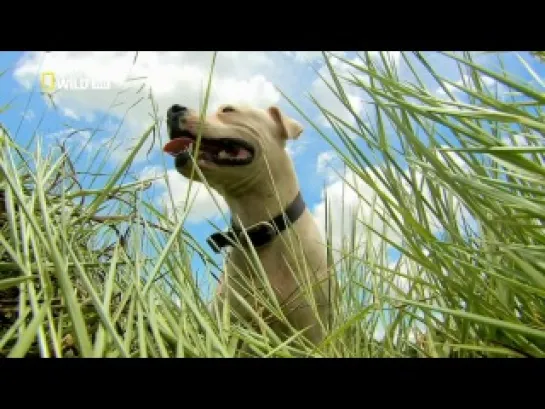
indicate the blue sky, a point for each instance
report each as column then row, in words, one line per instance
column 181, row 78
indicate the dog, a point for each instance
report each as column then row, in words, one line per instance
column 241, row 154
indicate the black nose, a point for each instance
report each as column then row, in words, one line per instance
column 174, row 113
column 176, row 110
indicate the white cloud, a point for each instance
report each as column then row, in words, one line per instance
column 71, row 137
column 200, row 203
column 356, row 97
column 173, row 77
column 392, row 58
column 28, row 115
column 304, row 56
column 327, row 164
column 467, row 82
column 403, row 279
column 454, row 157
column 348, row 207
column 149, row 172
column 523, row 139
column 307, row 57
column 296, row 149
column 324, row 160
column 329, row 101
column 404, row 271
column 69, row 113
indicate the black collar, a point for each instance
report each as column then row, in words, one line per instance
column 262, row 232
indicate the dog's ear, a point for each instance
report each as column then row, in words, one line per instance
column 291, row 129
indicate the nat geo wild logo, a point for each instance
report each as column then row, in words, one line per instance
column 51, row 82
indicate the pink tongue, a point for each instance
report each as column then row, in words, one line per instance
column 243, row 154
column 175, row 146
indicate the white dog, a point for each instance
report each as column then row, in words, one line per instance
column 242, row 156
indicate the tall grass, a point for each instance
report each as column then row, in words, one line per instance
column 438, row 252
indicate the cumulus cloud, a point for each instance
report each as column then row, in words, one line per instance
column 467, row 81
column 404, row 270
column 324, row 159
column 296, row 149
column 72, row 138
column 28, row 115
column 353, row 202
column 69, row 113
column 311, row 56
column 304, row 56
column 524, row 139
column 327, row 164
column 355, row 95
column 329, row 101
column 172, row 77
column 201, row 203
column 399, row 283
column 392, row 58
column 347, row 209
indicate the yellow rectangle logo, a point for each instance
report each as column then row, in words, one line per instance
column 48, row 81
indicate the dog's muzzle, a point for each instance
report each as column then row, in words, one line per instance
column 221, row 151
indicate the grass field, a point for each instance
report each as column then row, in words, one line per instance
column 451, row 187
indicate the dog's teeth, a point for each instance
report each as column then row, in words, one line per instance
column 223, row 155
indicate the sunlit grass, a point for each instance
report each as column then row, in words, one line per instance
column 454, row 183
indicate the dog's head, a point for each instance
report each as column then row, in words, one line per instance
column 235, row 141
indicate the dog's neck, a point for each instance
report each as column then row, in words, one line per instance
column 262, row 203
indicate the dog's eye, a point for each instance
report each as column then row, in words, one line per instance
column 228, row 109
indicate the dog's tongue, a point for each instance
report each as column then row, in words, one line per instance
column 175, row 146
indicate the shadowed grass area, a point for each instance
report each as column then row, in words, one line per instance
column 438, row 246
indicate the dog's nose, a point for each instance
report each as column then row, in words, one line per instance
column 174, row 113
column 176, row 110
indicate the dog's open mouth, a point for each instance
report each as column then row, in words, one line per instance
column 220, row 151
